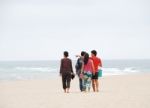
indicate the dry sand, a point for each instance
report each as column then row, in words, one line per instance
column 128, row 91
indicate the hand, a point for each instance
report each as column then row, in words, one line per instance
column 77, row 55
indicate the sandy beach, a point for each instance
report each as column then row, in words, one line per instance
column 128, row 91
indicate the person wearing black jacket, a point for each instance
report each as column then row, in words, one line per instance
column 78, row 66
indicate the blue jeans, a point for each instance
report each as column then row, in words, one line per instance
column 81, row 84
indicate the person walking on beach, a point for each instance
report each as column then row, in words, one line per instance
column 78, row 66
column 87, row 70
column 97, row 63
column 65, row 71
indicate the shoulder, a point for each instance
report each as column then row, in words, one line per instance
column 69, row 59
column 80, row 59
column 95, row 59
column 61, row 61
column 91, row 61
column 98, row 59
column 91, row 58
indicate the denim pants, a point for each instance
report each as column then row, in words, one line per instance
column 81, row 84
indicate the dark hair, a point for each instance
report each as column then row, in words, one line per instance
column 86, row 58
column 83, row 53
column 94, row 52
column 66, row 53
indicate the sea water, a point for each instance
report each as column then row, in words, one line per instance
column 24, row 70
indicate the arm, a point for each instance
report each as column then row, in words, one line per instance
column 77, row 55
column 76, row 66
column 71, row 66
column 61, row 67
column 82, row 68
column 100, row 63
column 93, row 68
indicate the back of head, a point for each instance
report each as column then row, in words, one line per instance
column 86, row 58
column 83, row 53
column 94, row 52
column 66, row 54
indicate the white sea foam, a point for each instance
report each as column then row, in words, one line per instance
column 41, row 69
column 130, row 69
column 117, row 71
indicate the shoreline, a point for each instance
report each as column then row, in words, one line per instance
column 57, row 77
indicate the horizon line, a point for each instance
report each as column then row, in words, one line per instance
column 74, row 59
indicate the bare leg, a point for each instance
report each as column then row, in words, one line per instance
column 97, row 85
column 93, row 84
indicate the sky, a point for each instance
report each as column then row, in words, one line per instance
column 43, row 29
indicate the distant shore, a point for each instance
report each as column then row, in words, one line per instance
column 126, row 91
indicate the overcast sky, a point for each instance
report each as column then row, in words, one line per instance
column 42, row 30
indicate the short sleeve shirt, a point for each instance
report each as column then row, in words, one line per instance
column 97, row 62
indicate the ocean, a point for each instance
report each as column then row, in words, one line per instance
column 25, row 70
